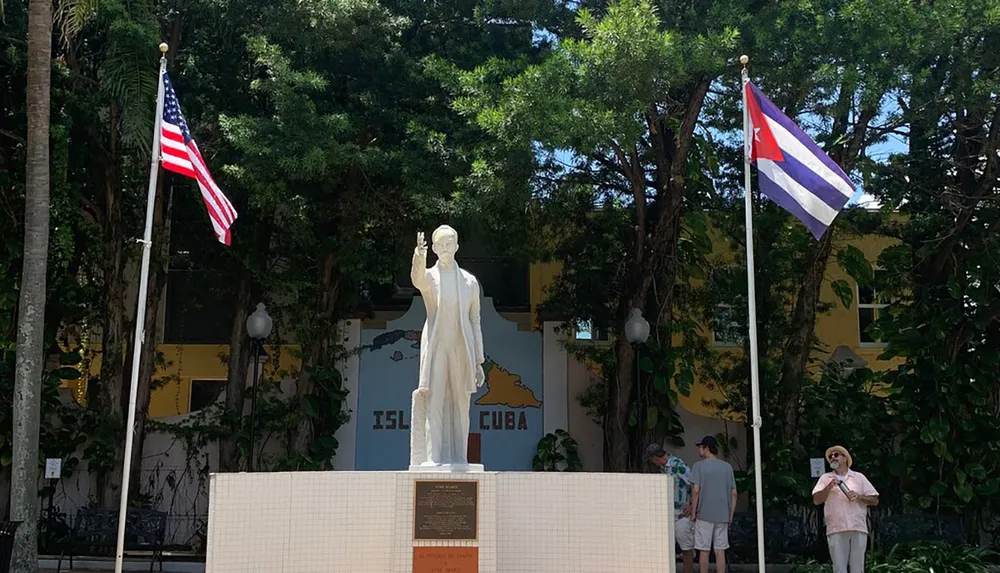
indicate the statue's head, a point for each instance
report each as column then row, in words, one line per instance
column 444, row 243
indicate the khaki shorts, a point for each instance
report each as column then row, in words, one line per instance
column 684, row 534
column 709, row 536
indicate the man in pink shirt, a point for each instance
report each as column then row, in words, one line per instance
column 846, row 495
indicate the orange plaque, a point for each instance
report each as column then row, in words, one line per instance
column 445, row 560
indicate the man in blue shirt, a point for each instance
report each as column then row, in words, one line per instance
column 683, row 527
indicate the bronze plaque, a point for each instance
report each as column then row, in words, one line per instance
column 446, row 510
column 445, row 560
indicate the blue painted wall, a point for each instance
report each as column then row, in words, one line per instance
column 389, row 365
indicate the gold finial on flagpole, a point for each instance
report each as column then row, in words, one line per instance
column 164, row 47
column 744, row 59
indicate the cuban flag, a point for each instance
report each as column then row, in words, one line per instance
column 793, row 171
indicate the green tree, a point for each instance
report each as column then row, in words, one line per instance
column 341, row 140
column 69, row 280
column 866, row 43
column 624, row 99
column 828, row 69
column 943, row 278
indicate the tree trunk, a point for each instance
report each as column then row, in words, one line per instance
column 661, row 262
column 653, row 256
column 616, row 427
column 106, row 396
column 318, row 350
column 800, row 343
column 31, row 309
column 798, row 348
column 4, row 499
column 158, row 268
column 239, row 357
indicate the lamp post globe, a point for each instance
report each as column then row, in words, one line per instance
column 636, row 328
column 259, row 323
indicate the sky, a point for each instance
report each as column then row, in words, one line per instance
column 880, row 153
column 895, row 144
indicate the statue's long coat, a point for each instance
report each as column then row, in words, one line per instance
column 428, row 281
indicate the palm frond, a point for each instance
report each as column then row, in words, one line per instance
column 128, row 77
column 72, row 15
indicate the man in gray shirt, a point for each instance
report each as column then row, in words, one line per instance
column 714, row 500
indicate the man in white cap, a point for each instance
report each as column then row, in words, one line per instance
column 683, row 528
column 846, row 495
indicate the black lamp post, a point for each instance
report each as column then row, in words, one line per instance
column 259, row 328
column 637, row 333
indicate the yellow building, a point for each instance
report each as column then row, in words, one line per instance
column 842, row 326
column 195, row 372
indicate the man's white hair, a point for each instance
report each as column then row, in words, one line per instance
column 441, row 231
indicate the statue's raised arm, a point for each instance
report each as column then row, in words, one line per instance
column 418, row 267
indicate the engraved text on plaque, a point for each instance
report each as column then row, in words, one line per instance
column 446, row 510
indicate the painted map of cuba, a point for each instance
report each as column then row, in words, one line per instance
column 503, row 387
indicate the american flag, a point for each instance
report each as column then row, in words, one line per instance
column 179, row 153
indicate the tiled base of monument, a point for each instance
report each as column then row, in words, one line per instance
column 421, row 522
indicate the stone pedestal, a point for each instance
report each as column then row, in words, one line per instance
column 421, row 521
column 448, row 468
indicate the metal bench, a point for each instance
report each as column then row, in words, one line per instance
column 95, row 531
column 907, row 528
column 7, row 531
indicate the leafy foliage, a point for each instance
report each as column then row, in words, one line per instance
column 61, row 431
column 943, row 277
column 921, row 558
column 670, row 371
column 611, row 114
column 557, row 452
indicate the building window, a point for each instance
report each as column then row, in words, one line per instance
column 204, row 393
column 199, row 309
column 870, row 305
column 585, row 331
column 726, row 328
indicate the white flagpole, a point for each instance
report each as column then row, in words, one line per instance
column 140, row 317
column 752, row 305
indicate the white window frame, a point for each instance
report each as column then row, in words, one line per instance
column 875, row 307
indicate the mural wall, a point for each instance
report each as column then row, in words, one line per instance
column 506, row 412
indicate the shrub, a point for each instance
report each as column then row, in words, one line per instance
column 920, row 558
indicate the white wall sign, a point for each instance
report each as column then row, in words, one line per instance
column 816, row 467
column 53, row 468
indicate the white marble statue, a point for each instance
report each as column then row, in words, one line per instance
column 451, row 356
